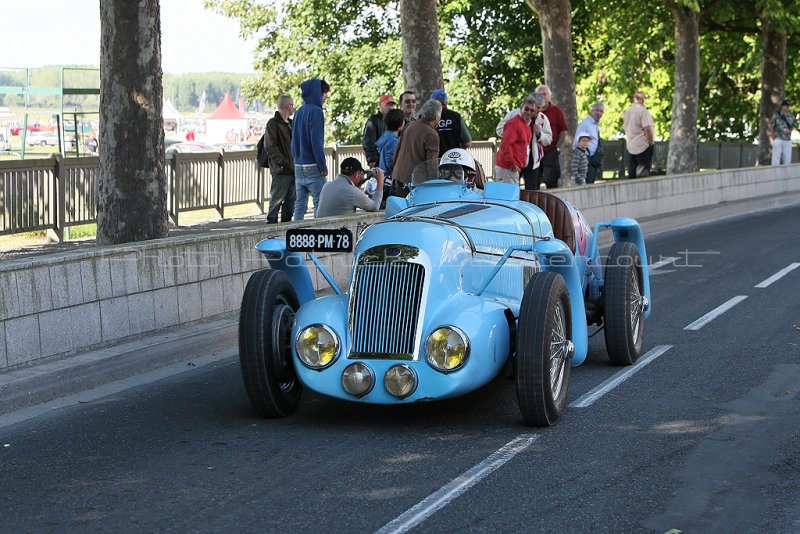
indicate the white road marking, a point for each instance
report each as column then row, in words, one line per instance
column 716, row 312
column 589, row 398
column 661, row 263
column 777, row 276
column 663, row 271
column 442, row 497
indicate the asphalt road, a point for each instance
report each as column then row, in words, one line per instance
column 703, row 438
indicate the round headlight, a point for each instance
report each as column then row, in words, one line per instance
column 358, row 379
column 400, row 381
column 447, row 348
column 317, row 346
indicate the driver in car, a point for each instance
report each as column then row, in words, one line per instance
column 457, row 165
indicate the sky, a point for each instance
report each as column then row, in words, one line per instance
column 35, row 33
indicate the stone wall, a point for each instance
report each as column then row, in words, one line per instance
column 61, row 304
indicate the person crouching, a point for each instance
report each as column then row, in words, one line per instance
column 343, row 195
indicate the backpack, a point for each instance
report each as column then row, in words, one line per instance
column 261, row 153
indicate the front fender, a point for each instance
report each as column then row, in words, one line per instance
column 291, row 263
column 555, row 256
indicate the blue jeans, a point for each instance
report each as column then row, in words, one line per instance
column 307, row 180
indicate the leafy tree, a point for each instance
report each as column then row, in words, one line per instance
column 185, row 90
column 488, row 63
column 132, row 198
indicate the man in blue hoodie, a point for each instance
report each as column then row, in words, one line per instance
column 308, row 145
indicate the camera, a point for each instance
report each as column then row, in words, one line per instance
column 369, row 173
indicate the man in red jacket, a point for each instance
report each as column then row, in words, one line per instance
column 550, row 169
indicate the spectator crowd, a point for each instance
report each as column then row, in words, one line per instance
column 398, row 137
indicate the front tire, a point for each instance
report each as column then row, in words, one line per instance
column 265, row 344
column 625, row 304
column 544, row 349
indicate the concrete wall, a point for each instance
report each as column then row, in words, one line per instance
column 61, row 304
column 64, row 303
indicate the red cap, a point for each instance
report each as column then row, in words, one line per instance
column 387, row 99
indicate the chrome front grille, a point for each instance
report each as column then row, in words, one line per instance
column 385, row 308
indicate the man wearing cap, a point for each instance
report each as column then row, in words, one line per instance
column 781, row 127
column 374, row 129
column 343, row 195
column 452, row 130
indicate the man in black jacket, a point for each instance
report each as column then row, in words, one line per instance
column 452, row 130
column 278, row 144
column 374, row 129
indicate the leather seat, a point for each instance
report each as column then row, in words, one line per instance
column 480, row 176
column 558, row 213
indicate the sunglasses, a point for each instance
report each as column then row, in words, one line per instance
column 530, row 110
column 407, row 101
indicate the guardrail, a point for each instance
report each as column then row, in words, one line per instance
column 56, row 193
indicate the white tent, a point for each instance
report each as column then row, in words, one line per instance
column 172, row 117
column 225, row 120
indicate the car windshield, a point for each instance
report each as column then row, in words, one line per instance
column 431, row 170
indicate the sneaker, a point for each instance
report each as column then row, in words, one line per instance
column 542, row 187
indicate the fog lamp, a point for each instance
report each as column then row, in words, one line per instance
column 400, row 381
column 447, row 349
column 358, row 379
column 317, row 346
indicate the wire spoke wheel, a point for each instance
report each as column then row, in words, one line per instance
column 544, row 349
column 624, row 304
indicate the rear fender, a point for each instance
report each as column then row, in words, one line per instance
column 556, row 257
column 628, row 230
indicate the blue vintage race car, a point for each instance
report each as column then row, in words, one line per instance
column 455, row 286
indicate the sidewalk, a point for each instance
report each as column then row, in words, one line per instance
column 42, row 383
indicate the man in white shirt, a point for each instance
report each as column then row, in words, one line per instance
column 590, row 126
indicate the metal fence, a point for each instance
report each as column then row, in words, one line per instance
column 56, row 193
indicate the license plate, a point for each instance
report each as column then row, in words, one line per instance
column 319, row 240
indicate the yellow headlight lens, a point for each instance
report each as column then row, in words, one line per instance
column 447, row 348
column 317, row 346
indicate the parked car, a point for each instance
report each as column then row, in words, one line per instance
column 41, row 139
column 234, row 146
column 189, row 148
column 457, row 285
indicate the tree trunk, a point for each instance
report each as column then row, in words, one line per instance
column 132, row 200
column 422, row 59
column 773, row 83
column 683, row 131
column 555, row 21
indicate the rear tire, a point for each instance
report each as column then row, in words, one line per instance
column 624, row 304
column 544, row 349
column 265, row 340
